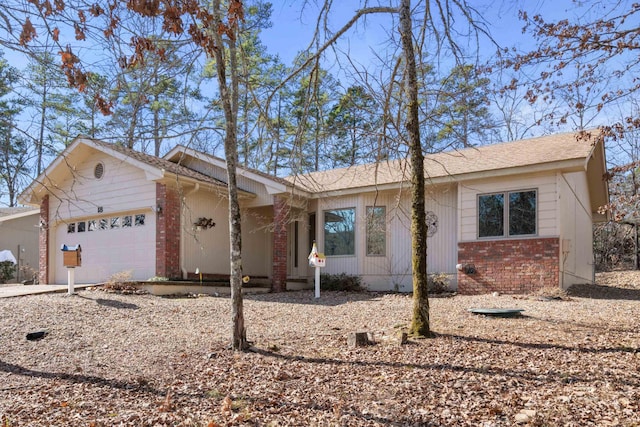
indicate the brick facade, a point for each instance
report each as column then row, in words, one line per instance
column 167, row 232
column 43, row 242
column 509, row 266
column 280, row 223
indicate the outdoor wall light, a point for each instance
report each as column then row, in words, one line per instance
column 466, row 268
column 159, row 209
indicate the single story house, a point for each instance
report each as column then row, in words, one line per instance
column 19, row 233
column 511, row 217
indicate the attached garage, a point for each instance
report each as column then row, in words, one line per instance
column 111, row 244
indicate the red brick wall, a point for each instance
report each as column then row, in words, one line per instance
column 43, row 242
column 509, row 266
column 168, row 232
column 280, row 216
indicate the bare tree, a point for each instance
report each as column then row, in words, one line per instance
column 437, row 25
column 213, row 29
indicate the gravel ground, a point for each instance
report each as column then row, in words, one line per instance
column 137, row 360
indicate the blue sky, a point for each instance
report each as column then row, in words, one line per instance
column 292, row 29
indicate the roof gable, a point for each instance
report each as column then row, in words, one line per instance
column 274, row 185
column 63, row 166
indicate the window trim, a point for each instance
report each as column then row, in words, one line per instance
column 505, row 212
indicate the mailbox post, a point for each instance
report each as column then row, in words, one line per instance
column 317, row 260
column 71, row 258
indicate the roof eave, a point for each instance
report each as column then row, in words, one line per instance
column 172, row 178
column 20, row 215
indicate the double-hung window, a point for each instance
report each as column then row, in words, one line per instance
column 511, row 213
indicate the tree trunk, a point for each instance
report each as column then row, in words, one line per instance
column 420, row 317
column 43, row 119
column 229, row 99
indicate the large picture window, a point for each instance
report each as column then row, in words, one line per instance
column 376, row 231
column 340, row 232
column 507, row 214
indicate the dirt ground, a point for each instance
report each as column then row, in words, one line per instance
column 109, row 359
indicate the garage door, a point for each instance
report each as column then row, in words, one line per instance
column 110, row 245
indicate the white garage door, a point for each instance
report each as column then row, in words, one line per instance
column 109, row 245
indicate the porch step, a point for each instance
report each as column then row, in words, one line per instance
column 299, row 285
column 254, row 286
column 186, row 288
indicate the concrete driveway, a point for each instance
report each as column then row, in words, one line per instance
column 16, row 290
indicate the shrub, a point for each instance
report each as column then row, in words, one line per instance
column 438, row 283
column 7, row 270
column 340, row 282
column 121, row 282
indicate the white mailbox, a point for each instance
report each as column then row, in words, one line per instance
column 317, row 260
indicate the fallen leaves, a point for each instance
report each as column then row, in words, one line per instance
column 572, row 361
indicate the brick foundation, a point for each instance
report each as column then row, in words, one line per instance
column 280, row 216
column 509, row 266
column 43, row 242
column 167, row 232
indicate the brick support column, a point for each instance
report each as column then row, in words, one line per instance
column 509, row 266
column 167, row 232
column 280, row 227
column 43, row 242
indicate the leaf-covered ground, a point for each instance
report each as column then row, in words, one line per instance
column 139, row 360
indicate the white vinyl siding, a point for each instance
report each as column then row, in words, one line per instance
column 442, row 247
column 122, row 188
column 576, row 244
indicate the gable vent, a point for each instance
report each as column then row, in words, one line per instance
column 98, row 172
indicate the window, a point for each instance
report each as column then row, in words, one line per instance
column 81, row 226
column 376, row 230
column 126, row 221
column 91, row 225
column 115, row 222
column 103, row 224
column 139, row 220
column 516, row 217
column 340, row 232
column 71, row 228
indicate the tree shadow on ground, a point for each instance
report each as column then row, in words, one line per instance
column 79, row 379
column 543, row 346
column 524, row 373
column 603, row 292
column 327, row 298
column 113, row 303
